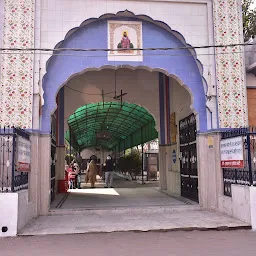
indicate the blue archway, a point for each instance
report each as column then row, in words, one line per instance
column 92, row 33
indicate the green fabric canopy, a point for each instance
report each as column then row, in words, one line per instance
column 110, row 125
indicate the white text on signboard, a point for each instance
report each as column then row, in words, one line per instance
column 232, row 152
column 23, row 155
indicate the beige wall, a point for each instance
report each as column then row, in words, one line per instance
column 180, row 102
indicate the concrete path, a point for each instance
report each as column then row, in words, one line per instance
column 124, row 194
column 128, row 207
column 210, row 243
column 102, row 198
column 129, row 219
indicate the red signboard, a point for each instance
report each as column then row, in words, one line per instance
column 232, row 164
column 23, row 167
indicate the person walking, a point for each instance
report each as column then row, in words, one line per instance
column 78, row 175
column 71, row 177
column 92, row 172
column 109, row 172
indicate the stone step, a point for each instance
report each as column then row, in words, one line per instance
column 131, row 219
column 122, row 210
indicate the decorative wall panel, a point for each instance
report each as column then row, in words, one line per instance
column 232, row 103
column 16, row 92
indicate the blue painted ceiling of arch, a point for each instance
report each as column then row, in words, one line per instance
column 65, row 64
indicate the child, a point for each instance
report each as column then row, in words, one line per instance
column 71, row 177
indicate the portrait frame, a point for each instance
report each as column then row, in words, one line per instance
column 133, row 30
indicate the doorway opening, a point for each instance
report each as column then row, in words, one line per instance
column 95, row 121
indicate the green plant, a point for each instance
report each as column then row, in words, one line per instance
column 130, row 164
column 249, row 19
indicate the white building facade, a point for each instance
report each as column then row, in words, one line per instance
column 179, row 71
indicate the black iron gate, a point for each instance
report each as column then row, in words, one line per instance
column 188, row 158
column 247, row 174
column 14, row 142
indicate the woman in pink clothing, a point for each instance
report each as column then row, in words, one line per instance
column 71, row 177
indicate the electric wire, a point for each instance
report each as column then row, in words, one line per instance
column 91, row 94
column 158, row 54
column 47, row 51
column 135, row 49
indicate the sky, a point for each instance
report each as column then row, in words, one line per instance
column 254, row 4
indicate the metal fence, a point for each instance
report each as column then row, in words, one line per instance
column 246, row 175
column 12, row 179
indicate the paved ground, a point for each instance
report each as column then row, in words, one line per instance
column 128, row 207
column 130, row 219
column 118, row 197
column 124, row 194
column 208, row 243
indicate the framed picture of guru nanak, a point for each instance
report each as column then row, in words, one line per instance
column 124, row 37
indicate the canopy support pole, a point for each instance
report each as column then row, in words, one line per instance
column 142, row 153
column 142, row 165
column 70, row 142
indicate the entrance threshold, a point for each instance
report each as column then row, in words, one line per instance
column 143, row 219
column 127, row 207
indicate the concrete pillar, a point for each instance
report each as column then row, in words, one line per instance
column 210, row 182
column 173, row 170
column 60, row 163
column 45, row 177
column 34, row 175
column 36, row 110
column 162, row 167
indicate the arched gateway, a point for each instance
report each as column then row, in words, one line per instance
column 98, row 33
column 177, row 64
column 189, row 110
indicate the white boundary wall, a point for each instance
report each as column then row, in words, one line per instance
column 9, row 214
column 253, row 207
column 242, row 204
column 15, row 213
